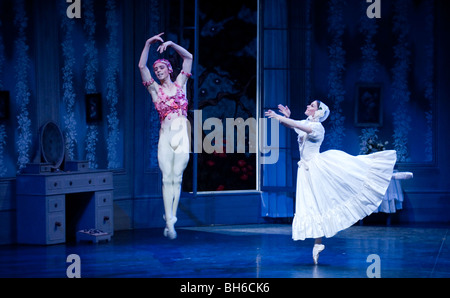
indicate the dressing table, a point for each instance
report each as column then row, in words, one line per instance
column 53, row 204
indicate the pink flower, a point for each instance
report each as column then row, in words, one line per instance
column 241, row 163
column 220, row 187
column 244, row 177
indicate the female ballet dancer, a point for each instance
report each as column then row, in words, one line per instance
column 334, row 189
column 171, row 103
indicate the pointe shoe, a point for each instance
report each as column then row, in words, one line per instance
column 316, row 251
column 169, row 230
column 166, row 230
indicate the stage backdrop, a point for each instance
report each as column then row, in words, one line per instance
column 384, row 79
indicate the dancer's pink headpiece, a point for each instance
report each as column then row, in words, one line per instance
column 166, row 62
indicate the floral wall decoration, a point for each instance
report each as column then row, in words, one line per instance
column 336, row 93
column 69, row 96
column 308, row 51
column 369, row 68
column 429, row 80
column 368, row 28
column 22, row 67
column 400, row 72
column 153, row 118
column 91, row 70
column 112, row 92
column 3, row 135
column 2, row 56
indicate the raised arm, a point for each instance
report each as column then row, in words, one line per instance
column 187, row 60
column 288, row 122
column 145, row 72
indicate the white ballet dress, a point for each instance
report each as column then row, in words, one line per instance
column 336, row 189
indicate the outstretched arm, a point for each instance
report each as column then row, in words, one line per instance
column 145, row 72
column 285, row 111
column 288, row 122
column 187, row 60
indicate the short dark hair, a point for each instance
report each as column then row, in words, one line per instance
column 318, row 103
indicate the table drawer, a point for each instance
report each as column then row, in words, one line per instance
column 54, row 183
column 105, row 179
column 105, row 219
column 104, row 198
column 56, row 203
column 56, row 228
column 78, row 182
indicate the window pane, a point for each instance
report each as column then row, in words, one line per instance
column 227, row 90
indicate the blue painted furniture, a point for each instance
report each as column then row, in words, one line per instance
column 46, row 200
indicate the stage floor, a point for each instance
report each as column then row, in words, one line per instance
column 240, row 251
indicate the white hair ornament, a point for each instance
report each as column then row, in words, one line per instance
column 321, row 114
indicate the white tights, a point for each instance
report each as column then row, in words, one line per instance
column 173, row 157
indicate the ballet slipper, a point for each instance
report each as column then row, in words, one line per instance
column 169, row 230
column 166, row 230
column 316, row 251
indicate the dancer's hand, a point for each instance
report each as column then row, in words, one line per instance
column 155, row 38
column 284, row 110
column 272, row 114
column 162, row 48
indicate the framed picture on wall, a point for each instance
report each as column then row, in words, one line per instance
column 368, row 109
column 93, row 107
column 4, row 105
